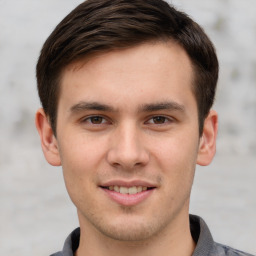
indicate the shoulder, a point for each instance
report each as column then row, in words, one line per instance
column 224, row 250
column 205, row 245
column 71, row 244
column 57, row 254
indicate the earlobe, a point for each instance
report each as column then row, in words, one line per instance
column 48, row 140
column 207, row 146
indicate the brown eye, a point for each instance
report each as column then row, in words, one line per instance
column 96, row 120
column 159, row 119
column 95, row 123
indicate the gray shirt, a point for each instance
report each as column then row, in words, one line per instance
column 205, row 246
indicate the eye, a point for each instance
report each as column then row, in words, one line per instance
column 95, row 120
column 158, row 120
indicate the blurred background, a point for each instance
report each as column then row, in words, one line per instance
column 36, row 214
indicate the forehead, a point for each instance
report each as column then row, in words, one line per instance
column 153, row 51
column 141, row 72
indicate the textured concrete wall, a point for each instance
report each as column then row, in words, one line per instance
column 36, row 214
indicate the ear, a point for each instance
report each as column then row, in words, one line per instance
column 207, row 145
column 48, row 141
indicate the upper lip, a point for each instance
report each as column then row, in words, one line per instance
column 123, row 183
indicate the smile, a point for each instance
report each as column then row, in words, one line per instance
column 128, row 190
column 128, row 194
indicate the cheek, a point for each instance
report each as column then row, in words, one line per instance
column 80, row 160
column 176, row 150
column 80, row 151
column 78, row 172
column 177, row 160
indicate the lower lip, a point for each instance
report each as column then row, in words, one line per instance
column 127, row 199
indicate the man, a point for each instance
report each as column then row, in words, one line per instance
column 127, row 89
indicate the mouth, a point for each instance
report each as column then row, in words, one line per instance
column 128, row 194
column 127, row 190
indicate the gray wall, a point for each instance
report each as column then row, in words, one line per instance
column 36, row 213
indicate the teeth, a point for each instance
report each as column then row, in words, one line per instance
column 124, row 190
column 133, row 190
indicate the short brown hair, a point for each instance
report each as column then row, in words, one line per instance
column 97, row 26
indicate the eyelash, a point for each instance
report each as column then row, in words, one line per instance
column 163, row 118
column 89, row 120
column 153, row 118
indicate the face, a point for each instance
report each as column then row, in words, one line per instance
column 128, row 140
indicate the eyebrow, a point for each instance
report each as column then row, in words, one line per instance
column 83, row 106
column 168, row 105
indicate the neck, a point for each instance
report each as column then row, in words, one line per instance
column 175, row 240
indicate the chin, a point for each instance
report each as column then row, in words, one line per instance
column 128, row 234
column 130, row 230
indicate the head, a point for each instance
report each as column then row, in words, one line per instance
column 99, row 26
column 126, row 88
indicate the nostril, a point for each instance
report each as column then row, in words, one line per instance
column 127, row 156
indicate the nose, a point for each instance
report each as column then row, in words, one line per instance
column 127, row 148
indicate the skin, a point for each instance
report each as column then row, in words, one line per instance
column 130, row 116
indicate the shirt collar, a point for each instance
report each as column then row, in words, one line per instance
column 201, row 235
column 199, row 231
